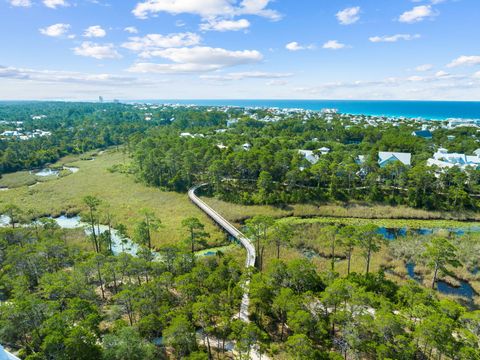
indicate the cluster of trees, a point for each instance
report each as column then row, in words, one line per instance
column 75, row 127
column 273, row 171
column 80, row 127
column 307, row 314
column 65, row 301
column 61, row 301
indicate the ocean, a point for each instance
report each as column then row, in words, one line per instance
column 430, row 110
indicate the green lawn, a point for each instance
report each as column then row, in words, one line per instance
column 125, row 196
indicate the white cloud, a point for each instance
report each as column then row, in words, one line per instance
column 246, row 75
column 295, row 46
column 56, row 30
column 97, row 51
column 53, row 4
column 349, row 15
column 424, row 67
column 277, row 83
column 95, row 31
column 131, row 29
column 393, row 38
column 197, row 59
column 477, row 75
column 21, row 3
column 465, row 61
column 152, row 42
column 333, row 45
column 415, row 78
column 225, row 25
column 207, row 9
column 417, row 14
column 54, row 76
column 441, row 73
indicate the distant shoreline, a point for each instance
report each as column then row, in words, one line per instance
column 411, row 109
column 426, row 110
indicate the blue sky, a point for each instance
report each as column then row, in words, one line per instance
column 286, row 49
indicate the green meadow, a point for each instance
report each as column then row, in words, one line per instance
column 125, row 197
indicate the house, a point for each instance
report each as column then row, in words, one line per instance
column 222, row 147
column 324, row 150
column 445, row 160
column 425, row 134
column 10, row 133
column 309, row 156
column 246, row 146
column 186, row 135
column 385, row 158
column 360, row 160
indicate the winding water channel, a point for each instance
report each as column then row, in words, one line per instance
column 119, row 244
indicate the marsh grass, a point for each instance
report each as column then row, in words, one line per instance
column 238, row 213
column 126, row 197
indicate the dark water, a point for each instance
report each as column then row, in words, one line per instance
column 433, row 110
column 395, row 233
column 464, row 290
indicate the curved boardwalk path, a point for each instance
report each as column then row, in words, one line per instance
column 233, row 231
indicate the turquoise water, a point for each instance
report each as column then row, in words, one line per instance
column 434, row 110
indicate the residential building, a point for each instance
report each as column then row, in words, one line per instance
column 385, row 158
column 425, row 134
column 444, row 160
column 310, row 156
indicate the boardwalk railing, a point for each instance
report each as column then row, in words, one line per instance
column 223, row 223
column 233, row 231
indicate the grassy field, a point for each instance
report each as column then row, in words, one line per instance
column 388, row 223
column 238, row 213
column 126, row 197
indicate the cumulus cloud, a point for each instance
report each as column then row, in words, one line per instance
column 225, row 25
column 206, row 9
column 417, row 14
column 53, row 4
column 333, row 45
column 393, row 38
column 95, row 31
column 441, row 73
column 53, row 76
column 131, row 30
column 197, row 59
column 55, row 30
column 152, row 42
column 97, row 51
column 295, row 46
column 21, row 3
column 246, row 75
column 349, row 15
column 465, row 61
column 424, row 67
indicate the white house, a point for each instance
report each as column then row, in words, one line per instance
column 186, row 135
column 309, row 156
column 444, row 160
column 246, row 146
column 324, row 150
column 385, row 158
